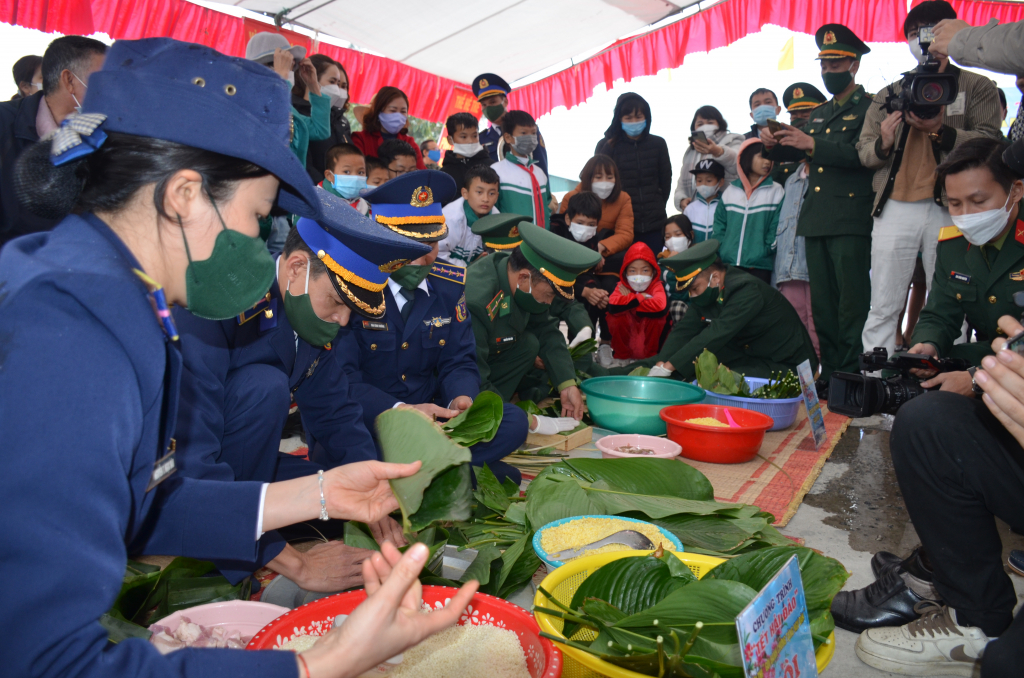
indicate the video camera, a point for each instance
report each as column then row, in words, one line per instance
column 855, row 395
column 924, row 90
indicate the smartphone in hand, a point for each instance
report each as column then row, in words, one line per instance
column 699, row 136
column 774, row 126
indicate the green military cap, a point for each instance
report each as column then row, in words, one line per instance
column 836, row 41
column 558, row 259
column 500, row 231
column 801, row 96
column 688, row 264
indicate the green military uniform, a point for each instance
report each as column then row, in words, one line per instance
column 799, row 99
column 750, row 327
column 510, row 337
column 978, row 282
column 836, row 216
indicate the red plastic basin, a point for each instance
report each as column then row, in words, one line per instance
column 719, row 445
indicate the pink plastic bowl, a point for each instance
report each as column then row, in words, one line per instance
column 663, row 448
column 245, row 616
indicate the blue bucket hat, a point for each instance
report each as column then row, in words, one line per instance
column 193, row 95
column 359, row 254
column 410, row 204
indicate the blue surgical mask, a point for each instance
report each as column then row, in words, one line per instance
column 349, row 186
column 392, row 122
column 762, row 113
column 434, row 155
column 634, row 129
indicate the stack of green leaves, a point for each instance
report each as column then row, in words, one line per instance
column 479, row 423
column 442, row 489
column 650, row 615
column 148, row 594
column 716, row 378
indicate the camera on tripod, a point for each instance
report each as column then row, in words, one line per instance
column 924, row 90
column 855, row 395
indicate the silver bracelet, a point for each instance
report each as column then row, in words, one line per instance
column 323, row 502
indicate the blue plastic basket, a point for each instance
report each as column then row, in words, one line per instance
column 552, row 564
column 783, row 410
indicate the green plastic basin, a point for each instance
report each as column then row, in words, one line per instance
column 633, row 404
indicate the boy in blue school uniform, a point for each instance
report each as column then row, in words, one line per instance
column 422, row 352
column 240, row 374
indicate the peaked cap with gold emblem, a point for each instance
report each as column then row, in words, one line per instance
column 410, row 204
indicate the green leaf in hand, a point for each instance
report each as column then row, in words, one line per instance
column 479, row 423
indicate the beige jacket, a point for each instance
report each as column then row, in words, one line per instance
column 975, row 113
column 996, row 47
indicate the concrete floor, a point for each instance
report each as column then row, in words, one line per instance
column 855, row 509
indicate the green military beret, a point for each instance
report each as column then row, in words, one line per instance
column 801, row 96
column 558, row 259
column 499, row 231
column 688, row 264
column 836, row 41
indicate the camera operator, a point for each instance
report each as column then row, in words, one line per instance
column 980, row 261
column 904, row 147
column 959, row 463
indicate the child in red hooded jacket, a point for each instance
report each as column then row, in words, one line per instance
column 638, row 308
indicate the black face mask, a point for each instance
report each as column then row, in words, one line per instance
column 800, row 123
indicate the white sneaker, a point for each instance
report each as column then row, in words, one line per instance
column 933, row 645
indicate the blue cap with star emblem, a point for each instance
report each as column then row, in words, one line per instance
column 489, row 84
column 410, row 204
column 359, row 254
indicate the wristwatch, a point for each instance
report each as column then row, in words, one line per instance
column 974, row 384
column 936, row 136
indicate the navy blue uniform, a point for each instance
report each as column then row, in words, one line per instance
column 490, row 137
column 88, row 398
column 431, row 358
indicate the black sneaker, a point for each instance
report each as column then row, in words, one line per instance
column 1016, row 561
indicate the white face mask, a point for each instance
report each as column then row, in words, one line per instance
column 706, row 191
column 981, row 227
column 602, row 188
column 290, row 78
column 339, row 96
column 639, row 283
column 708, row 129
column 582, row 232
column 467, row 150
column 915, row 49
column 678, row 244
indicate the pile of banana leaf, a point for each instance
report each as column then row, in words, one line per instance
column 148, row 594
column 717, row 378
column 651, row 615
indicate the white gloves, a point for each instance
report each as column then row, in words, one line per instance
column 658, row 371
column 549, row 426
column 584, row 334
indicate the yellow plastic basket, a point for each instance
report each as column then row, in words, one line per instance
column 562, row 584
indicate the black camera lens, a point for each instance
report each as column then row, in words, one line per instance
column 933, row 92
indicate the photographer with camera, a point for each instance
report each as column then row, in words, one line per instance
column 980, row 261
column 908, row 130
column 947, row 609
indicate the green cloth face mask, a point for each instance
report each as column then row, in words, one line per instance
column 492, row 113
column 706, row 298
column 527, row 302
column 410, row 276
column 836, row 83
column 237, row 274
column 304, row 320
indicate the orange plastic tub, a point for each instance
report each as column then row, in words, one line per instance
column 719, row 445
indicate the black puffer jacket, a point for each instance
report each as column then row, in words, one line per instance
column 341, row 133
column 643, row 164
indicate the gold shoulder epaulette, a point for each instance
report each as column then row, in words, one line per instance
column 949, row 232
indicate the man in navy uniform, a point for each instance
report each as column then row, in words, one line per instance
column 492, row 93
column 239, row 376
column 422, row 353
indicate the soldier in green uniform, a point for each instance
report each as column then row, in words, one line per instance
column 980, row 265
column 836, row 216
column 509, row 295
column 747, row 324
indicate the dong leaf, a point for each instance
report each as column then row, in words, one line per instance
column 713, row 602
column 480, row 568
column 667, row 477
column 479, row 423
column 442, row 488
column 529, row 407
column 557, row 497
column 358, row 536
column 489, row 491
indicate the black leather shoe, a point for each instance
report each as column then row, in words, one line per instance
column 882, row 561
column 821, row 386
column 887, row 602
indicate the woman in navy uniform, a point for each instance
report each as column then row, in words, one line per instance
column 176, row 141
column 422, row 352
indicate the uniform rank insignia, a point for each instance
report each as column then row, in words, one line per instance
column 375, row 325
column 455, row 274
column 962, row 277
column 261, row 307
column 1018, row 276
column 461, row 313
column 1018, row 231
column 950, row 232
column 494, row 304
column 852, row 116
column 437, row 322
column 309, row 372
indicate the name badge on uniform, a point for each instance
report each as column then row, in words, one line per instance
column 960, row 277
column 375, row 325
column 501, row 343
column 1018, row 276
column 818, row 120
column 162, row 468
column 959, row 105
